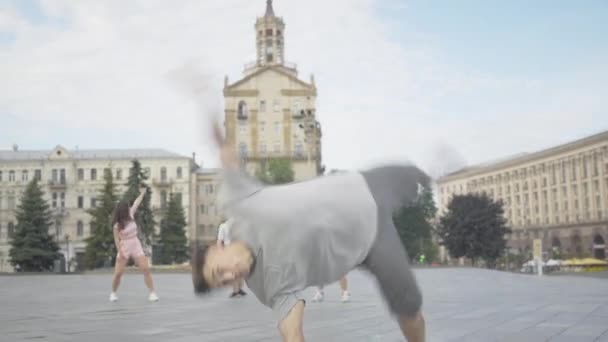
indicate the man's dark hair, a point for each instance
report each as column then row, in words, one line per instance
column 199, row 255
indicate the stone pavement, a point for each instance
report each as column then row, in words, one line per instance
column 461, row 304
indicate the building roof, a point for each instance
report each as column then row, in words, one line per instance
column 25, row 155
column 269, row 9
column 524, row 157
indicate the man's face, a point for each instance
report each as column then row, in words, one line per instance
column 224, row 265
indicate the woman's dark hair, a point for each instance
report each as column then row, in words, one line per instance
column 122, row 216
column 199, row 255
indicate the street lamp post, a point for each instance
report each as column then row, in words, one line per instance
column 67, row 249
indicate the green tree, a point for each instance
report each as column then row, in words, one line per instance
column 100, row 248
column 276, row 171
column 33, row 249
column 474, row 227
column 413, row 222
column 172, row 240
column 143, row 216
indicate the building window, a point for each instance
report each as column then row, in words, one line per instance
column 11, row 176
column 202, row 208
column 276, row 105
column 243, row 150
column 11, row 202
column 277, row 147
column 585, row 189
column 595, row 165
column 545, row 182
column 118, row 174
column 54, row 202
column 179, row 172
column 80, row 202
column 93, row 174
column 263, row 148
column 163, row 173
column 24, row 176
column 277, row 126
column 106, row 171
column 584, row 162
column 573, row 170
column 93, row 202
column 80, row 174
column 262, row 105
column 147, row 172
column 596, row 186
column 208, row 189
column 563, row 172
column 62, row 197
column 0, row 176
column 242, row 127
column 79, row 228
column 242, row 110
column 574, row 190
column 10, row 229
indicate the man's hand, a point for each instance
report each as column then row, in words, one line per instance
column 291, row 326
column 142, row 189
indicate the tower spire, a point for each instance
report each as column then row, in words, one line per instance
column 269, row 10
column 270, row 38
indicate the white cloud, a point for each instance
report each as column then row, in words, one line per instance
column 113, row 70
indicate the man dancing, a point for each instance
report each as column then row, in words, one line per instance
column 287, row 238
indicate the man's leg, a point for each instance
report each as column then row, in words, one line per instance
column 291, row 327
column 344, row 287
column 389, row 263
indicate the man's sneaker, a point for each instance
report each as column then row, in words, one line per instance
column 345, row 297
column 234, row 294
column 113, row 297
column 153, row 297
column 318, row 297
column 242, row 293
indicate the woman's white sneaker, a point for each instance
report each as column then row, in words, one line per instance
column 113, row 297
column 153, row 297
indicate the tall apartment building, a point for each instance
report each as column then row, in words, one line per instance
column 72, row 180
column 559, row 195
column 270, row 112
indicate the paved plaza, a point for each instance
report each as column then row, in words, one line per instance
column 461, row 304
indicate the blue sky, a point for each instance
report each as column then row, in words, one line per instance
column 397, row 79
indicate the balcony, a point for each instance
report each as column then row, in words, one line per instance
column 242, row 116
column 57, row 184
column 59, row 212
column 162, row 182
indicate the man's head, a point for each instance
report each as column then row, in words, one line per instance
column 216, row 266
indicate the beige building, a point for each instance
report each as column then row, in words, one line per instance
column 207, row 214
column 270, row 112
column 559, row 195
column 71, row 181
